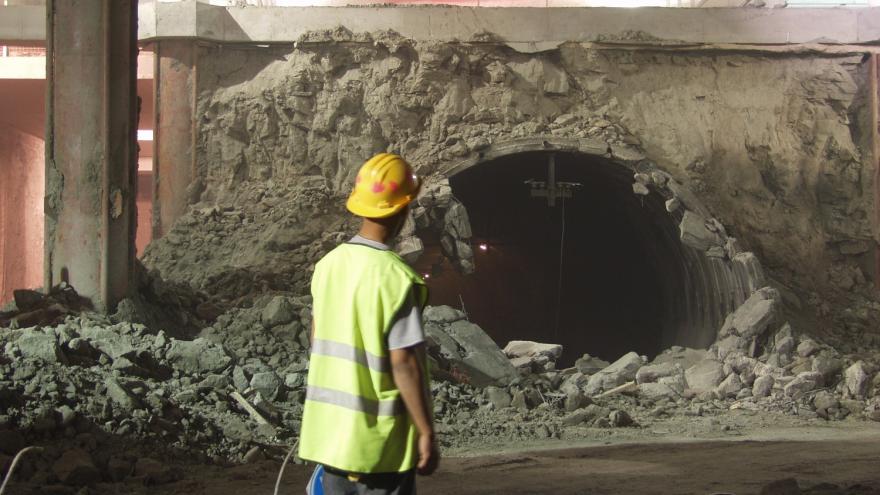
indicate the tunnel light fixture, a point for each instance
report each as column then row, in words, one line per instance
column 145, row 135
column 426, row 276
column 551, row 188
column 483, row 247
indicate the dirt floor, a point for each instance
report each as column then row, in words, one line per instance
column 670, row 458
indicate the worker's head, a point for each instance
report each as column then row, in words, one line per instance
column 384, row 186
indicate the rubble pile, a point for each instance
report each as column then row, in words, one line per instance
column 109, row 398
column 116, row 393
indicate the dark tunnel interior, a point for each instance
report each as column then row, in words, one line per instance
column 606, row 296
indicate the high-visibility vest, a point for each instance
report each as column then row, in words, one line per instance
column 354, row 417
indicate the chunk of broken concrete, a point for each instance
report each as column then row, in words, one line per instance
column 41, row 346
column 763, row 386
column 693, row 232
column 704, row 376
column 653, row 372
column 857, row 379
column 754, row 316
column 528, row 348
column 729, row 387
column 443, row 314
column 617, row 373
column 804, row 382
column 279, row 311
column 590, row 365
column 472, row 354
column 197, row 356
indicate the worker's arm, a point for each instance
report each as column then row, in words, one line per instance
column 407, row 371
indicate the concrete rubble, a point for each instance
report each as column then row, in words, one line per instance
column 96, row 385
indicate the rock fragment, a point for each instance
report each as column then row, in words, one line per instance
column 705, row 375
column 589, row 365
column 279, row 311
column 617, row 373
column 857, row 379
column 804, row 382
column 754, row 316
column 41, row 346
column 197, row 356
column 763, row 386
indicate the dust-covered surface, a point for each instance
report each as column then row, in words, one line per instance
column 776, row 147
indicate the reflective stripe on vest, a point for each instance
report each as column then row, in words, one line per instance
column 351, row 353
column 354, row 402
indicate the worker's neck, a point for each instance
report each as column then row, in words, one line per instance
column 375, row 231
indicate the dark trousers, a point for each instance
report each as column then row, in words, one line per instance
column 336, row 482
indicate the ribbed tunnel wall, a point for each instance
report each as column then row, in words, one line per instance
column 628, row 282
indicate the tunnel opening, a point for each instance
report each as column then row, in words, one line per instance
column 601, row 272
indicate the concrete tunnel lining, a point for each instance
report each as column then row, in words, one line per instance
column 685, row 290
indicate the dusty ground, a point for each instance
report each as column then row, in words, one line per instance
column 679, row 456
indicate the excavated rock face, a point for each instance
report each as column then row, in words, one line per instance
column 772, row 149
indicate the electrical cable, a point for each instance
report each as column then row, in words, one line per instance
column 280, row 471
column 15, row 463
column 559, row 285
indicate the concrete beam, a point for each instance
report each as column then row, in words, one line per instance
column 197, row 20
column 91, row 163
column 191, row 19
column 22, row 24
column 174, row 131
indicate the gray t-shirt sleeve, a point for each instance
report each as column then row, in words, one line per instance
column 407, row 331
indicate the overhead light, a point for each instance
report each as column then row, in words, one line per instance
column 426, row 276
column 483, row 247
column 145, row 134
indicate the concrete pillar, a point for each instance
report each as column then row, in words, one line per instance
column 874, row 101
column 174, row 136
column 91, row 153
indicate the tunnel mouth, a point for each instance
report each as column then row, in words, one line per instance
column 598, row 272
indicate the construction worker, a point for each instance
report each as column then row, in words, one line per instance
column 367, row 419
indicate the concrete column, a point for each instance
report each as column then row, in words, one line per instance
column 174, row 136
column 91, row 153
column 874, row 101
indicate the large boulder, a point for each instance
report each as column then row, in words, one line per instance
column 467, row 352
column 754, row 316
column 617, row 373
column 705, row 375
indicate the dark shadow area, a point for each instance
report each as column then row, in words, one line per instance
column 619, row 259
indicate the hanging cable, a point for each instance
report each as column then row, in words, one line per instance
column 559, row 285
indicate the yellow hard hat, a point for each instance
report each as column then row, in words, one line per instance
column 385, row 184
